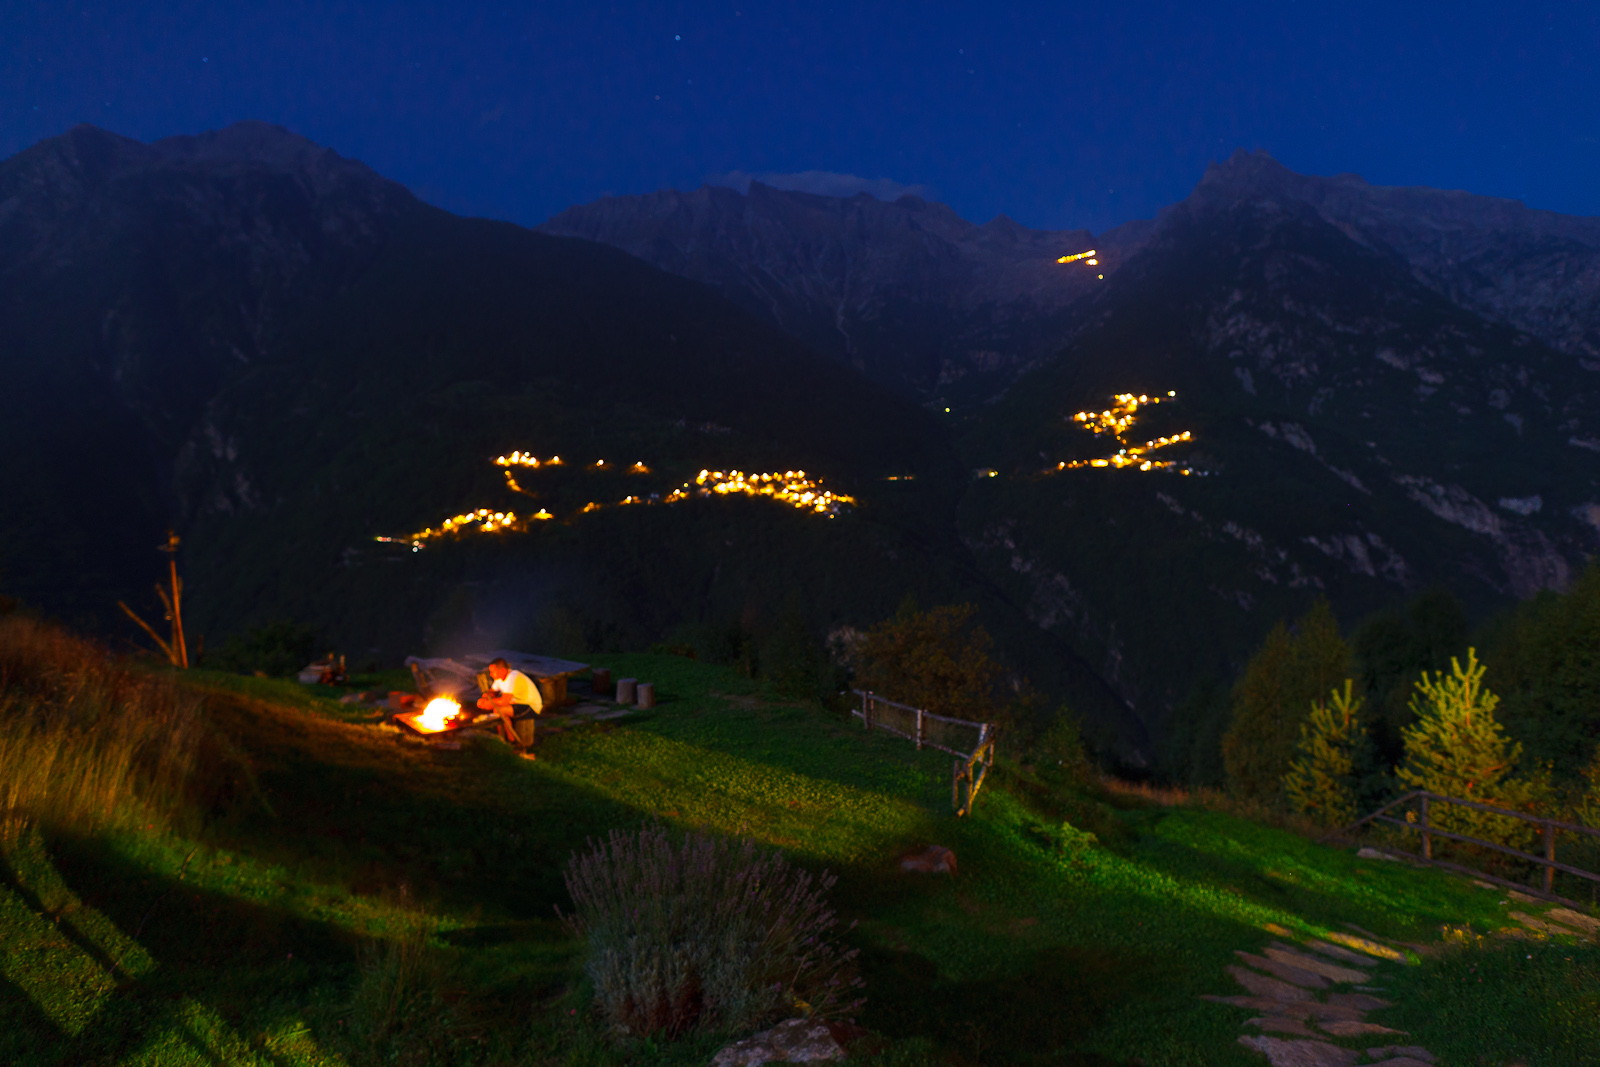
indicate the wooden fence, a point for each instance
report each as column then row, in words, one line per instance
column 928, row 730
column 1548, row 829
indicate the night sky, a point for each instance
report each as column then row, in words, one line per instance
column 1057, row 114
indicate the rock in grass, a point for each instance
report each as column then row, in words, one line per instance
column 1280, row 1024
column 1262, row 986
column 1572, row 918
column 1358, row 1001
column 1402, row 1052
column 935, row 859
column 1335, row 952
column 1355, row 1028
column 1281, row 1053
column 1287, row 971
column 1368, row 946
column 1403, row 1061
column 1306, row 962
column 792, row 1041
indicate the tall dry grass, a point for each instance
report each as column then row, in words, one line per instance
column 89, row 741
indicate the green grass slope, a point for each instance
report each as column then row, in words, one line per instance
column 254, row 935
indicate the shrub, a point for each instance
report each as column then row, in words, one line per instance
column 86, row 740
column 709, row 934
column 937, row 660
column 1457, row 748
column 1321, row 780
column 278, row 649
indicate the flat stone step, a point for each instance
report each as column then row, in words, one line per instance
column 1307, row 962
column 1282, row 1053
column 1287, row 971
column 1262, row 986
column 1335, row 952
column 1355, row 1028
column 1410, row 1052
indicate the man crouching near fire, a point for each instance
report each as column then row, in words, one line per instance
column 512, row 693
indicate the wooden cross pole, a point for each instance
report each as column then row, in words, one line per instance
column 176, row 648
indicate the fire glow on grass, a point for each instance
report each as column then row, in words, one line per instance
column 1116, row 421
column 793, row 488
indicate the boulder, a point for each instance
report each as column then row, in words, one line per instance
column 791, row 1041
column 935, row 859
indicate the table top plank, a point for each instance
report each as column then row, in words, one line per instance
column 470, row 663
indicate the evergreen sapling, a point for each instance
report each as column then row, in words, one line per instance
column 1321, row 780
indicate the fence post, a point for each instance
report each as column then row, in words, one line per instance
column 919, row 729
column 955, row 786
column 866, row 710
column 1427, row 838
column 1549, row 855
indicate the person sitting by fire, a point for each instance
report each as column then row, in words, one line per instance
column 511, row 694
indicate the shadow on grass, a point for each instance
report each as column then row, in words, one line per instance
column 1034, row 1014
column 219, row 952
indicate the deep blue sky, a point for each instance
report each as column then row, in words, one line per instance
column 1059, row 114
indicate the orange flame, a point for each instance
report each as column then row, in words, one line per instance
column 437, row 715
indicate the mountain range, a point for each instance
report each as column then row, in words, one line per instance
column 286, row 357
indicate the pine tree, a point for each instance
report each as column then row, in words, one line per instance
column 1292, row 669
column 1321, row 780
column 1456, row 747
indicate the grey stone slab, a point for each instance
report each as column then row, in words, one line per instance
column 1359, row 1001
column 1283, row 1053
column 1403, row 1061
column 1339, row 953
column 1262, row 986
column 1412, row 1052
column 1286, row 971
column 1587, row 923
column 1354, row 1028
column 1280, row 1024
column 1307, row 962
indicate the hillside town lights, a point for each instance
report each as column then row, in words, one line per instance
column 1117, row 420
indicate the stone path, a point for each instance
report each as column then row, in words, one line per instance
column 1309, row 991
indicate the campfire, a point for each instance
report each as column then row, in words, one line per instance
column 440, row 715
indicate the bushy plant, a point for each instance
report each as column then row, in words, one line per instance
column 706, row 934
column 937, row 660
column 276, row 648
column 1321, row 780
column 1457, row 748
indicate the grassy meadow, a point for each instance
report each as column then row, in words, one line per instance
column 286, row 882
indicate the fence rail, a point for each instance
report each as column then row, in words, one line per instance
column 918, row 725
column 1548, row 829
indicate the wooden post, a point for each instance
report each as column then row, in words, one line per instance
column 600, row 680
column 866, row 711
column 955, row 786
column 646, row 695
column 919, row 729
column 1549, row 855
column 1427, row 838
column 627, row 690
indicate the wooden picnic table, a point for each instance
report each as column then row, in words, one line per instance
column 548, row 672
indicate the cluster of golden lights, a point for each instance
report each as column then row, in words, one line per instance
column 1087, row 257
column 1117, row 420
column 793, row 488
